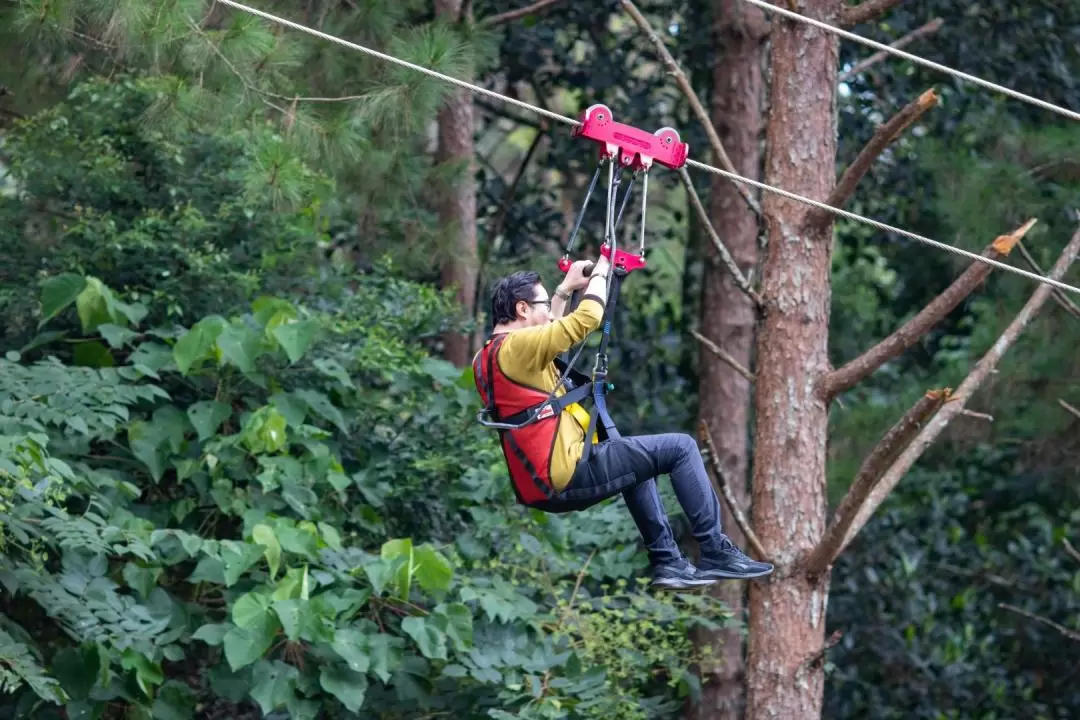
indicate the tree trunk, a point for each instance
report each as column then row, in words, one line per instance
column 457, row 203
column 787, row 611
column 728, row 318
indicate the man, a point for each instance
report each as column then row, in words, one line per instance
column 516, row 370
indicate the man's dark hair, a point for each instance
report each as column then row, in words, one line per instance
column 509, row 291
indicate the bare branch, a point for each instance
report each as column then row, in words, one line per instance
column 892, row 443
column 977, row 415
column 1062, row 299
column 1071, row 634
column 725, row 490
column 724, row 355
column 511, row 15
column 1069, row 407
column 931, row 27
column 883, row 136
column 695, row 103
column 511, row 190
column 1073, row 552
column 501, row 112
column 725, row 254
column 963, row 393
column 860, row 368
column 866, row 11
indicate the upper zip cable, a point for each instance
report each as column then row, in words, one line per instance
column 701, row 166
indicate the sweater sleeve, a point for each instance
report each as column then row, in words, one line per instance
column 534, row 348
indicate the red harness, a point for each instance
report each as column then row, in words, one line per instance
column 527, row 449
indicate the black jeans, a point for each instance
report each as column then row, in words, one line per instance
column 630, row 466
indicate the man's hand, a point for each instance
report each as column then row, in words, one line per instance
column 576, row 277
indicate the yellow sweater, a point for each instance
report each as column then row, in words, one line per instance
column 527, row 357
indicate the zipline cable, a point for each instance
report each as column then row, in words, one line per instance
column 701, row 166
column 768, row 7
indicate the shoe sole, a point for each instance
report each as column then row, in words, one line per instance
column 725, row 575
column 676, row 584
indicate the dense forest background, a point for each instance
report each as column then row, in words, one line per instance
column 240, row 473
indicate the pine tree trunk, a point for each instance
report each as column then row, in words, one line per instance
column 457, row 203
column 728, row 318
column 787, row 612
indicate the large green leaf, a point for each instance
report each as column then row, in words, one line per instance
column 274, row 684
column 197, row 343
column 432, row 570
column 352, row 645
column 57, row 292
column 240, row 346
column 264, row 535
column 206, row 416
column 296, row 337
column 243, row 646
column 428, row 636
column 347, row 686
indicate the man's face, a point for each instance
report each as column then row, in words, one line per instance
column 537, row 311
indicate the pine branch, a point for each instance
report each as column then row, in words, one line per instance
column 512, row 15
column 1071, row 634
column 724, row 355
column 860, row 368
column 250, row 86
column 695, row 103
column 866, row 11
column 883, row 136
column 892, row 443
column 967, row 388
column 729, row 497
column 931, row 27
column 725, row 254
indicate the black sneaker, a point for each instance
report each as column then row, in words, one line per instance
column 678, row 575
column 730, row 562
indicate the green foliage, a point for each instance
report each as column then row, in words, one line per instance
column 103, row 194
column 275, row 104
column 927, row 580
column 227, row 493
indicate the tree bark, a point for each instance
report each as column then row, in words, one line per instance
column 729, row 316
column 787, row 610
column 457, row 203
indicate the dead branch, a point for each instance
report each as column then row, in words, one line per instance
column 1073, row 552
column 977, row 415
column 817, row 657
column 1069, row 407
column 1059, row 295
column 511, row 15
column 1071, row 634
column 968, row 387
column 511, row 190
column 931, row 27
column 855, row 371
column 892, row 443
column 853, row 15
column 883, row 136
column 724, row 355
column 725, row 490
column 695, row 103
column 725, row 254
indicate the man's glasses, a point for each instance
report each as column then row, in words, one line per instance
column 541, row 302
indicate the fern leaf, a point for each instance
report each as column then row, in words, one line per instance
column 18, row 666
